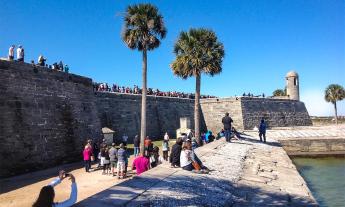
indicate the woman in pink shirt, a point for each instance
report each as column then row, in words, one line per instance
column 87, row 158
column 141, row 164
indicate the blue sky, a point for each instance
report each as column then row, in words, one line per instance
column 263, row 41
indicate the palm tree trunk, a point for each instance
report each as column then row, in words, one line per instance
column 336, row 113
column 197, row 109
column 143, row 103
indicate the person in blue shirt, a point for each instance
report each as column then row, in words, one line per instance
column 262, row 130
column 47, row 193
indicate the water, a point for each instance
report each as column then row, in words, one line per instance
column 325, row 178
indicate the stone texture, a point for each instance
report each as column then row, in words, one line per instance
column 45, row 117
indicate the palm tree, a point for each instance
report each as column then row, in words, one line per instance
column 197, row 51
column 143, row 29
column 279, row 92
column 334, row 93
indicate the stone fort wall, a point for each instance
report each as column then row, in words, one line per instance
column 46, row 116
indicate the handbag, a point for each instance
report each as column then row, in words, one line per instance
column 196, row 166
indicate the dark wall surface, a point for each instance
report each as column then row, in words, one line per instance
column 121, row 113
column 45, row 117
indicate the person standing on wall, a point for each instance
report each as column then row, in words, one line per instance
column 11, row 52
column 227, row 126
column 262, row 130
column 20, row 54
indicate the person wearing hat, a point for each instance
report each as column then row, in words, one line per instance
column 11, row 52
column 20, row 54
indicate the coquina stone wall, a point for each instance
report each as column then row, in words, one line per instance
column 247, row 112
column 45, row 117
column 213, row 110
column 277, row 112
column 121, row 112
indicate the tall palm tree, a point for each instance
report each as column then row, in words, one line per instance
column 197, row 51
column 143, row 30
column 334, row 93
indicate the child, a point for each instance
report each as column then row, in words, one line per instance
column 165, row 149
column 121, row 161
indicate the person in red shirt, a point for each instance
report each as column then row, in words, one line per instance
column 141, row 164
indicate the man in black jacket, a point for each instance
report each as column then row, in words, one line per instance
column 227, row 126
column 175, row 153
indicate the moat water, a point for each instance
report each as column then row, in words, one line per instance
column 325, row 178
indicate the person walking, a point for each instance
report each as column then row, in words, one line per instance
column 136, row 143
column 165, row 149
column 227, row 126
column 113, row 158
column 262, row 130
column 11, row 52
column 20, row 54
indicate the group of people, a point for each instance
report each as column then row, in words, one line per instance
column 104, row 87
column 20, row 53
column 252, row 95
column 40, row 62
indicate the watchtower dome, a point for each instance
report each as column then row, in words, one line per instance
column 292, row 85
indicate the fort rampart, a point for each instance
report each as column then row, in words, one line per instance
column 46, row 116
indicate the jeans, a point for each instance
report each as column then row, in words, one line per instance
column 262, row 134
column 227, row 134
column 136, row 151
column 87, row 164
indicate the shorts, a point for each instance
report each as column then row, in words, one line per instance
column 121, row 166
column 113, row 163
column 104, row 161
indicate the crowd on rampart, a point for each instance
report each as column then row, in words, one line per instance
column 41, row 61
column 104, row 87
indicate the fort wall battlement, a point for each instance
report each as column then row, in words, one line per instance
column 46, row 116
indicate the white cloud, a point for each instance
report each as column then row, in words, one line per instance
column 316, row 104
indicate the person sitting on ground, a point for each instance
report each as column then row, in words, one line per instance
column 41, row 61
column 121, row 161
column 165, row 149
column 221, row 134
column 113, row 158
column 175, row 153
column 237, row 135
column 155, row 158
column 11, row 52
column 47, row 193
column 141, row 164
column 190, row 161
column 262, row 130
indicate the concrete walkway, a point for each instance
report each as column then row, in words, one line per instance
column 243, row 173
